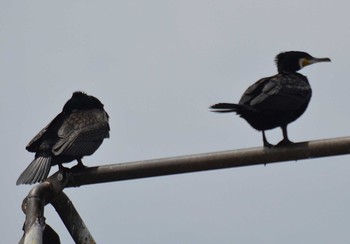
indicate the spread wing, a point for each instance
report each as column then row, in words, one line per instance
column 277, row 93
column 81, row 133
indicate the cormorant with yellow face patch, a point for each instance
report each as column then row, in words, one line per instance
column 278, row 100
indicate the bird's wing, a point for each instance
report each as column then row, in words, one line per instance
column 253, row 91
column 35, row 143
column 278, row 93
column 82, row 133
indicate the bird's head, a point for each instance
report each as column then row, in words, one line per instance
column 293, row 61
column 81, row 100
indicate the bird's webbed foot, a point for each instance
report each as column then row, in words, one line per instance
column 79, row 166
column 63, row 169
column 284, row 142
column 268, row 145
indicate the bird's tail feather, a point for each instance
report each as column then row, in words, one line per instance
column 37, row 171
column 225, row 107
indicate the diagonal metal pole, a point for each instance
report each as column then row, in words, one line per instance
column 72, row 220
column 209, row 161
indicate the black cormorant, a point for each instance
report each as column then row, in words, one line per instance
column 76, row 132
column 278, row 100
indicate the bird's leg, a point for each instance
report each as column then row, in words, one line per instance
column 285, row 140
column 266, row 143
column 61, row 168
column 79, row 165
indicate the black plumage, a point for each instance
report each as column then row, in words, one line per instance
column 278, row 100
column 76, row 132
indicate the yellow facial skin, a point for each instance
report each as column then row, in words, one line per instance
column 305, row 62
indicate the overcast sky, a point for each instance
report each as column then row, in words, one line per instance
column 157, row 66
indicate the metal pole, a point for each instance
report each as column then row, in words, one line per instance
column 45, row 192
column 33, row 206
column 209, row 161
column 50, row 191
column 71, row 219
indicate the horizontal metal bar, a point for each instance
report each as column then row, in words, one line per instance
column 209, row 161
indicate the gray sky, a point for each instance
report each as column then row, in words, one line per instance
column 157, row 66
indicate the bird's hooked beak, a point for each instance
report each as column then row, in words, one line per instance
column 307, row 61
